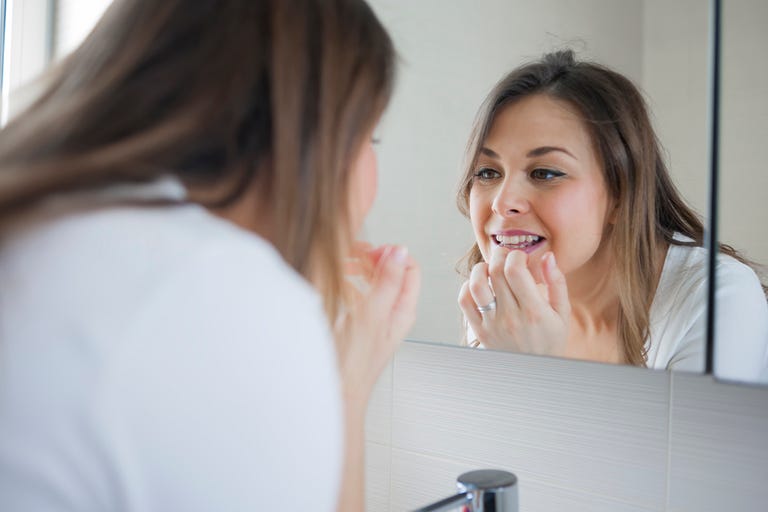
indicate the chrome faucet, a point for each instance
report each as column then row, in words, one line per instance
column 484, row 490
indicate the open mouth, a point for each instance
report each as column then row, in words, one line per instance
column 525, row 243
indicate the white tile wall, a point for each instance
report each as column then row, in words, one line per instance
column 614, row 438
column 718, row 446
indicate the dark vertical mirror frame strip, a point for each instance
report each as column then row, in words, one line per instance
column 710, row 235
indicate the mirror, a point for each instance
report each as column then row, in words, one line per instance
column 452, row 55
column 742, row 209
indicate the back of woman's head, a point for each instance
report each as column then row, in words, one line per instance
column 224, row 94
column 649, row 210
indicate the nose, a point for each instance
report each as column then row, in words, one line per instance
column 511, row 199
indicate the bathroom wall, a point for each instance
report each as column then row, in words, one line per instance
column 579, row 436
column 675, row 77
column 744, row 181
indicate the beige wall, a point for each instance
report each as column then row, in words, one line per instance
column 675, row 76
column 675, row 80
column 743, row 165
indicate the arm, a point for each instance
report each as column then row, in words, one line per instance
column 367, row 338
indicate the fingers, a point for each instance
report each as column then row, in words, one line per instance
column 405, row 308
column 505, row 296
column 388, row 279
column 479, row 289
column 557, row 287
column 521, row 281
column 469, row 307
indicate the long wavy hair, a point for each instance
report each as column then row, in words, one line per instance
column 223, row 94
column 650, row 209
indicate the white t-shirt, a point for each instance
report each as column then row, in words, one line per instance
column 161, row 359
column 678, row 317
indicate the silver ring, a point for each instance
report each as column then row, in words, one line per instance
column 488, row 307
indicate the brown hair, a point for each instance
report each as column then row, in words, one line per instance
column 222, row 94
column 650, row 209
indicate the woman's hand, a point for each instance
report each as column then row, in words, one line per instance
column 387, row 283
column 528, row 318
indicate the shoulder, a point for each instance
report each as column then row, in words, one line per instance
column 686, row 267
column 678, row 314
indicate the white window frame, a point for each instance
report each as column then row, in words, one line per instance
column 27, row 49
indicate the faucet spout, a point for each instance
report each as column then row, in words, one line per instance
column 447, row 503
column 484, row 490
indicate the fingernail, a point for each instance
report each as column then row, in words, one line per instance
column 400, row 255
column 552, row 262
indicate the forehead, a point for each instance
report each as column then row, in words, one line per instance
column 539, row 120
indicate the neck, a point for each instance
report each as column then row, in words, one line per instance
column 595, row 306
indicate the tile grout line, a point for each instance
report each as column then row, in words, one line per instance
column 668, row 479
column 391, row 415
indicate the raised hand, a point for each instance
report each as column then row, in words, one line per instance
column 508, row 310
column 387, row 282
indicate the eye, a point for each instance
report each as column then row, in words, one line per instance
column 487, row 174
column 543, row 174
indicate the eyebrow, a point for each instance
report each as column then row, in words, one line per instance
column 543, row 150
column 549, row 149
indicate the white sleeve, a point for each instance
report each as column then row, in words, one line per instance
column 741, row 327
column 225, row 395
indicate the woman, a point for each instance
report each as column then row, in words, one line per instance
column 585, row 249
column 177, row 211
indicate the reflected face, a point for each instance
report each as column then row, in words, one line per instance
column 363, row 183
column 538, row 186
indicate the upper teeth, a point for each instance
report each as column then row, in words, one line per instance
column 516, row 239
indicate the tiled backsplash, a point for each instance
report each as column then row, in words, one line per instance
column 579, row 436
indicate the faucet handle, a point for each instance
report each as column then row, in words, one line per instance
column 483, row 490
column 490, row 490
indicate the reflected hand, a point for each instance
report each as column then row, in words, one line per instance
column 528, row 318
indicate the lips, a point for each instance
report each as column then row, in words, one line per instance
column 517, row 240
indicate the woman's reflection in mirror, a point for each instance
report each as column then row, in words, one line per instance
column 584, row 247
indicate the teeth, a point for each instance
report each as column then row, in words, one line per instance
column 517, row 239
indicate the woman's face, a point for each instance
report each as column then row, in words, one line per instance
column 538, row 186
column 363, row 183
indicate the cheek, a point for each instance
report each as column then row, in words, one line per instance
column 364, row 185
column 479, row 212
column 369, row 177
column 577, row 223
